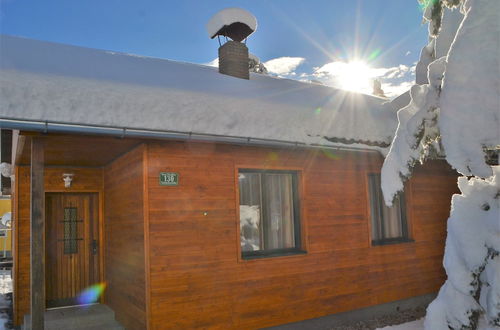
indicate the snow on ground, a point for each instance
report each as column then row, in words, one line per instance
column 69, row 84
column 5, row 282
column 5, row 287
column 414, row 325
column 419, row 325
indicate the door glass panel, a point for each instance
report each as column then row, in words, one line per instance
column 70, row 230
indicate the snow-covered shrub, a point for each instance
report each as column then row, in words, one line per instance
column 471, row 260
column 455, row 111
column 255, row 65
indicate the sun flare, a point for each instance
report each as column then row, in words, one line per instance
column 355, row 76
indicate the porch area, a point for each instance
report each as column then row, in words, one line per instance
column 70, row 251
column 92, row 317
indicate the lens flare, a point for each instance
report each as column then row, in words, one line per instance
column 373, row 55
column 272, row 156
column 426, row 3
column 91, row 294
column 317, row 111
column 330, row 154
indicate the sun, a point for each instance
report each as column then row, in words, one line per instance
column 355, row 76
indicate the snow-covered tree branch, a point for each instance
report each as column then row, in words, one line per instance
column 455, row 111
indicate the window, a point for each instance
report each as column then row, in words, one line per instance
column 70, row 230
column 269, row 213
column 388, row 223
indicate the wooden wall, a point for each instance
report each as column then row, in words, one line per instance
column 85, row 180
column 198, row 279
column 124, row 239
column 192, row 262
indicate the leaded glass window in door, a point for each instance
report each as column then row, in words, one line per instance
column 70, row 230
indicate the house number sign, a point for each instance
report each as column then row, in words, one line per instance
column 169, row 179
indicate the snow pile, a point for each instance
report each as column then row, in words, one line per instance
column 5, row 283
column 228, row 16
column 419, row 325
column 5, row 287
column 68, row 84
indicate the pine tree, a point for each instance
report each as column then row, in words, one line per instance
column 255, row 65
column 455, row 112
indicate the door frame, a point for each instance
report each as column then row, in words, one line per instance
column 100, row 216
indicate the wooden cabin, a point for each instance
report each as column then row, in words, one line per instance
column 194, row 224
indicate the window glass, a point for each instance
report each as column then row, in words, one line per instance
column 268, row 211
column 70, row 230
column 388, row 223
column 250, row 211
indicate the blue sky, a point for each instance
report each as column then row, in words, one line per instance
column 313, row 33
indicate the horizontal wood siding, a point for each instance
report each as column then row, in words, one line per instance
column 124, row 237
column 85, row 179
column 198, row 279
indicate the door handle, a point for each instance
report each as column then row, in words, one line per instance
column 94, row 247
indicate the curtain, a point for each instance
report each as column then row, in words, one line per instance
column 266, row 211
column 387, row 222
column 278, row 211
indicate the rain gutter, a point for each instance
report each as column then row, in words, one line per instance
column 55, row 127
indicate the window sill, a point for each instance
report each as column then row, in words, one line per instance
column 392, row 241
column 270, row 254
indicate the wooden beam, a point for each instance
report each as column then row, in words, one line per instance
column 37, row 235
column 18, row 142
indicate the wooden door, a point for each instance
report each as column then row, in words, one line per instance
column 72, row 246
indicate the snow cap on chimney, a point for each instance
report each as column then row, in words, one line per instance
column 236, row 24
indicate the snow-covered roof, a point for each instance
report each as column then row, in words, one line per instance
column 49, row 82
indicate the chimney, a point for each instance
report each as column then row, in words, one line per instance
column 236, row 24
column 233, row 59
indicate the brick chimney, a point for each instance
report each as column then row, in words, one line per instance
column 236, row 24
column 233, row 59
